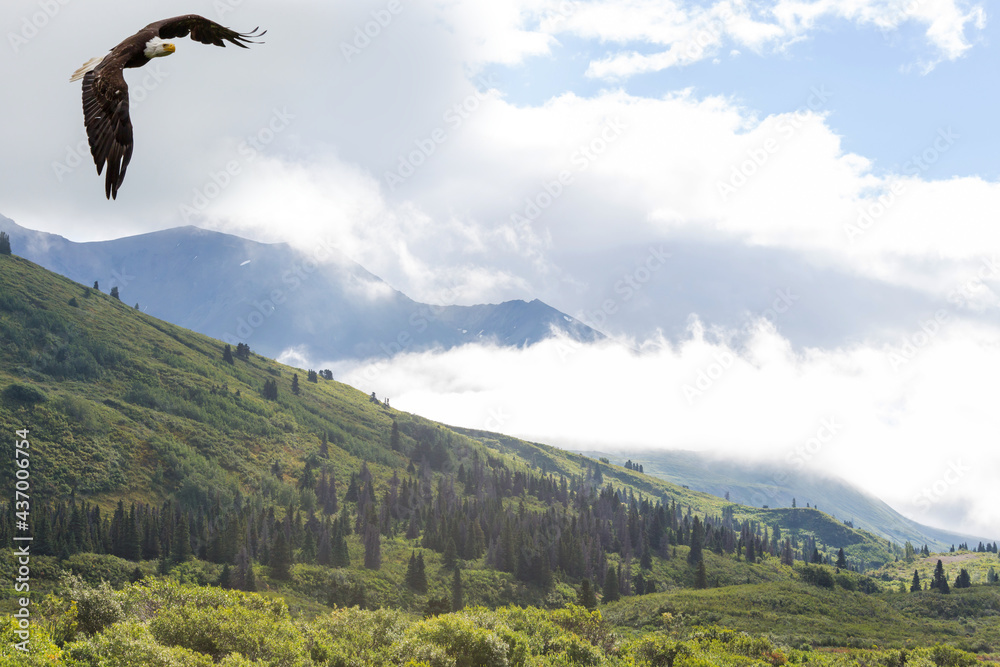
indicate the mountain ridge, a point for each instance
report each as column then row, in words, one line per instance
column 777, row 485
column 321, row 306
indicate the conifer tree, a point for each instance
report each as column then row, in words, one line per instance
column 416, row 575
column 586, row 597
column 610, row 592
column 915, row 585
column 701, row 576
column 245, row 579
column 227, row 355
column 841, row 559
column 450, row 555
column 373, row 541
column 281, row 556
column 963, row 580
column 457, row 594
column 295, row 384
column 180, row 543
column 4, row 243
column 940, row 581
column 697, row 541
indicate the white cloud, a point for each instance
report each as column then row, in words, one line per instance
column 689, row 32
column 896, row 426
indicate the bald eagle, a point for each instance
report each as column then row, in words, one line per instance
column 105, row 93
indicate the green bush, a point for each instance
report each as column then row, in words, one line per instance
column 947, row 656
column 129, row 644
column 659, row 651
column 465, row 642
column 23, row 394
column 254, row 631
column 97, row 607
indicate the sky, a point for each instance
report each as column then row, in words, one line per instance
column 782, row 213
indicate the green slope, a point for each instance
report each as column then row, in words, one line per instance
column 138, row 409
column 777, row 484
column 123, row 407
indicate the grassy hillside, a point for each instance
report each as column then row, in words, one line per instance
column 130, row 407
column 777, row 484
column 154, row 457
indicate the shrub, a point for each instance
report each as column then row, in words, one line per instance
column 468, row 644
column 24, row 394
column 658, row 651
column 96, row 608
column 129, row 644
column 947, row 656
column 239, row 624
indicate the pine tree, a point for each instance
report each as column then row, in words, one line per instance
column 114, row 293
column 610, row 592
column 416, row 574
column 787, row 555
column 281, row 556
column 940, row 581
column 586, row 597
column 245, row 578
column 180, row 543
column 697, row 541
column 841, row 559
column 373, row 542
column 295, row 384
column 963, row 580
column 449, row 557
column 4, row 243
column 701, row 576
column 457, row 594
column 915, row 585
column 227, row 355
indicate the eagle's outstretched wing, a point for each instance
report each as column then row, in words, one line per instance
column 202, row 30
column 109, row 129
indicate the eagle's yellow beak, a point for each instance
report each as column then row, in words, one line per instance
column 169, row 48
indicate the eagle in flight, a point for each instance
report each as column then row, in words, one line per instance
column 105, row 93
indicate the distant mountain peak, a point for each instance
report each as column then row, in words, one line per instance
column 275, row 297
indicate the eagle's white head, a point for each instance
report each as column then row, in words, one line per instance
column 157, row 47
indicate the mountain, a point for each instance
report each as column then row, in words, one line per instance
column 122, row 405
column 320, row 306
column 161, row 473
column 777, row 485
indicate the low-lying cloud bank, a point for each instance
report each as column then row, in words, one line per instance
column 910, row 421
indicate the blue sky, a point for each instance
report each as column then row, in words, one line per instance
column 760, row 267
column 884, row 106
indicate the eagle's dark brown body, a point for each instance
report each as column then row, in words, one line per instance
column 105, row 93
